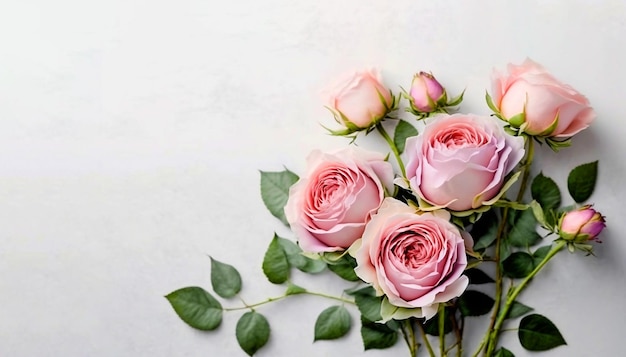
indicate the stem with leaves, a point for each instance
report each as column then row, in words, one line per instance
column 409, row 336
column 495, row 333
column 274, row 299
column 502, row 229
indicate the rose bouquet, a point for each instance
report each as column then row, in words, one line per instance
column 414, row 235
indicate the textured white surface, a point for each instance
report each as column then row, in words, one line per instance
column 132, row 133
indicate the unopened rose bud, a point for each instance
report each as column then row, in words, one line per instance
column 360, row 101
column 581, row 225
column 425, row 93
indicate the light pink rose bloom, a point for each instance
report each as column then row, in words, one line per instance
column 329, row 206
column 356, row 100
column 460, row 161
column 425, row 92
column 529, row 89
column 416, row 261
column 581, row 225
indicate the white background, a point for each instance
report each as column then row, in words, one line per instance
column 132, row 133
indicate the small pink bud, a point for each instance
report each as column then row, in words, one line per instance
column 425, row 92
column 581, row 225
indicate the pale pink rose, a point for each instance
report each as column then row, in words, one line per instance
column 581, row 225
column 460, row 161
column 416, row 261
column 529, row 89
column 425, row 92
column 329, row 206
column 360, row 99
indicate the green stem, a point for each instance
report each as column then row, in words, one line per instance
column 525, row 167
column 409, row 336
column 442, row 330
column 269, row 300
column 493, row 339
column 393, row 147
column 431, row 353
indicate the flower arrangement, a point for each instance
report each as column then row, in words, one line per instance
column 411, row 235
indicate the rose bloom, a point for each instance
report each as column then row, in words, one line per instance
column 357, row 99
column 581, row 225
column 329, row 206
column 529, row 89
column 416, row 261
column 460, row 161
column 425, row 92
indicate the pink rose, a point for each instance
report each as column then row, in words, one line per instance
column 361, row 100
column 329, row 206
column 581, row 225
column 425, row 93
column 533, row 100
column 416, row 261
column 460, row 161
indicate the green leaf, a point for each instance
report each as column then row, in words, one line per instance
column 332, row 323
column 503, row 352
column 296, row 259
column 545, row 191
column 344, row 268
column 196, row 307
column 225, row 279
column 475, row 303
column 484, row 230
column 275, row 263
column 369, row 306
column 537, row 333
column 582, row 180
column 377, row 336
column 403, row 131
column 540, row 254
column 275, row 191
column 518, row 309
column 477, row 276
column 293, row 289
column 523, row 233
column 253, row 332
column 518, row 265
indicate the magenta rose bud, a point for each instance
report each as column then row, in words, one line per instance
column 581, row 225
column 460, row 161
column 329, row 206
column 531, row 99
column 416, row 261
column 425, row 93
column 360, row 100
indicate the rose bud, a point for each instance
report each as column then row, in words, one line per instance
column 425, row 93
column 581, row 225
column 360, row 101
column 536, row 103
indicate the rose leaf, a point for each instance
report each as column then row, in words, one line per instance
column 196, row 307
column 275, row 191
column 545, row 191
column 537, row 333
column 503, row 352
column 332, row 323
column 275, row 263
column 225, row 279
column 403, row 131
column 377, row 336
column 582, row 180
column 518, row 309
column 518, row 265
column 252, row 332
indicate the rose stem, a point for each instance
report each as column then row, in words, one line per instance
column 431, row 353
column 284, row 296
column 442, row 330
column 409, row 336
column 393, row 147
column 525, row 167
column 516, row 291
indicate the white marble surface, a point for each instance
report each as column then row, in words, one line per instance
column 132, row 132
